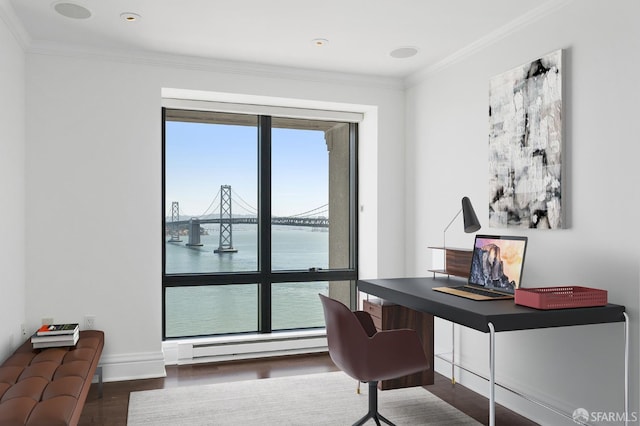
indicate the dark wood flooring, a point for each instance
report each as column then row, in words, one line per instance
column 111, row 409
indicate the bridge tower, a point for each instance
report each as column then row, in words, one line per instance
column 175, row 217
column 194, row 232
column 226, row 231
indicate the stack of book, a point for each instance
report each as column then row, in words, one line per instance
column 55, row 335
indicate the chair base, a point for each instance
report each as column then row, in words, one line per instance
column 377, row 417
column 373, row 408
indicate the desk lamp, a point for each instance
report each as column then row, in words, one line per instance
column 471, row 223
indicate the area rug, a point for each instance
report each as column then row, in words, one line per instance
column 314, row 399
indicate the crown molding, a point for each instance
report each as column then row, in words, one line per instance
column 40, row 47
column 9, row 17
column 534, row 15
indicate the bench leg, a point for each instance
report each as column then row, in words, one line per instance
column 99, row 374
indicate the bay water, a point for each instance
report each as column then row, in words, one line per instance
column 233, row 308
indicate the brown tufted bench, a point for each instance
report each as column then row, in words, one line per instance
column 49, row 386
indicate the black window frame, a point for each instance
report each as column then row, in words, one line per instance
column 265, row 277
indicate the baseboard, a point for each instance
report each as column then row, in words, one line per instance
column 149, row 365
column 134, row 366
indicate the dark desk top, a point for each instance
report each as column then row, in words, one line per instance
column 505, row 315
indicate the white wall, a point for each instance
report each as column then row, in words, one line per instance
column 12, row 185
column 447, row 151
column 94, row 185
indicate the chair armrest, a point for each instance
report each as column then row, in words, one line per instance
column 392, row 339
column 366, row 322
column 397, row 353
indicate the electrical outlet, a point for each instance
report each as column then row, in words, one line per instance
column 23, row 330
column 90, row 322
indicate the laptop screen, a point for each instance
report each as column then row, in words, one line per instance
column 497, row 262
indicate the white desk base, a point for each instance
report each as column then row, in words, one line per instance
column 492, row 380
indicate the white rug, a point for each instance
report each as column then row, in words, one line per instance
column 315, row 399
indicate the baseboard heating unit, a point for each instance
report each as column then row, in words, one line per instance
column 248, row 346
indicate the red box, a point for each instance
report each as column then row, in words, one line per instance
column 560, row 297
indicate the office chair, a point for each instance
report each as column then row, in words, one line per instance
column 368, row 355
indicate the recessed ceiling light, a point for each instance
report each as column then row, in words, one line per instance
column 404, row 52
column 130, row 17
column 320, row 42
column 72, row 10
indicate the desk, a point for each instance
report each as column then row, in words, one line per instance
column 491, row 316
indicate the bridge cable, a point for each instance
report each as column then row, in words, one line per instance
column 248, row 207
column 213, row 201
column 312, row 211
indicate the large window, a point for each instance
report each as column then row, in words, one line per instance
column 259, row 217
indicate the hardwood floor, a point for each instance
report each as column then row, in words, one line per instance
column 111, row 409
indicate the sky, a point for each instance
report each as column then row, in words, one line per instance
column 201, row 157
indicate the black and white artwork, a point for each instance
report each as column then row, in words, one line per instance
column 525, row 146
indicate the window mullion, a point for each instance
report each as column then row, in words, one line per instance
column 353, row 209
column 264, row 223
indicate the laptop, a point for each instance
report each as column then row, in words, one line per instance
column 496, row 268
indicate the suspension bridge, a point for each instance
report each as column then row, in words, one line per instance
column 192, row 226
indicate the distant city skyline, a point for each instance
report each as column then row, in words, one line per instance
column 201, row 157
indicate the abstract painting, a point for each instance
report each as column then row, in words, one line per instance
column 525, row 146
